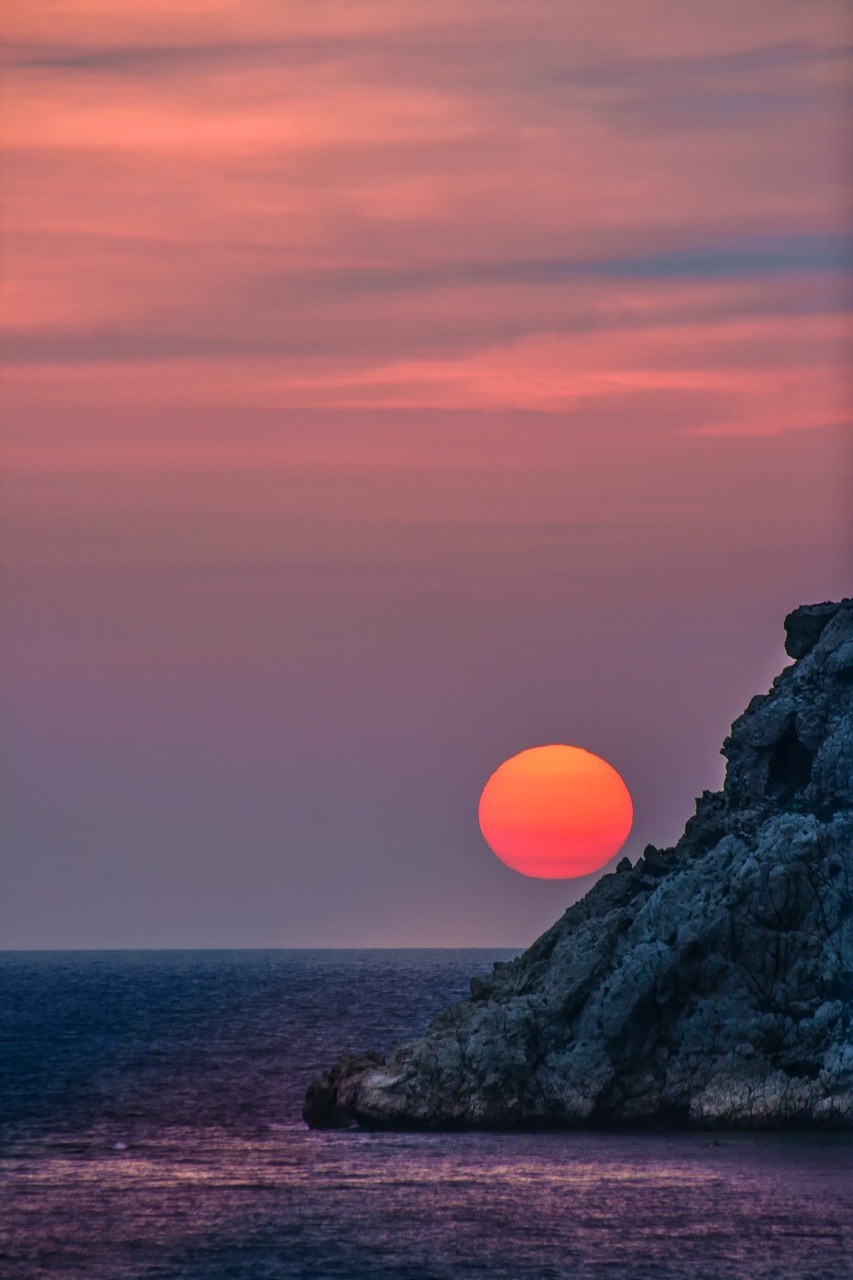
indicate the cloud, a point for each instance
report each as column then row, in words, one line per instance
column 399, row 205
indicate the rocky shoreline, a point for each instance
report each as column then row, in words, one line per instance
column 710, row 985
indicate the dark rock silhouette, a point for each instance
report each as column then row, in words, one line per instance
column 710, row 984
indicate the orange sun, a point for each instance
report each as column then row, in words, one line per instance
column 555, row 812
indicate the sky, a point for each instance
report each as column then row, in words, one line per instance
column 389, row 388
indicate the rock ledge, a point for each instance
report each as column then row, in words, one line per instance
column 709, row 985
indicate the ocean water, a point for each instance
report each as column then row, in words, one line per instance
column 151, row 1128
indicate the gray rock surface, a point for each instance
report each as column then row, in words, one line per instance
column 710, row 984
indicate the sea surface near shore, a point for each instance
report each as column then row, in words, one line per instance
column 150, row 1117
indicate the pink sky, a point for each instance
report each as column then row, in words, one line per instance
column 389, row 388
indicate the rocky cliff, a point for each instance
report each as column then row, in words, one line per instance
column 710, row 984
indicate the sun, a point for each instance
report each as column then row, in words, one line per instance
column 555, row 812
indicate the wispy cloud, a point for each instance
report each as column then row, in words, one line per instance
column 406, row 204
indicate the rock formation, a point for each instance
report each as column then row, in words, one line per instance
column 710, row 984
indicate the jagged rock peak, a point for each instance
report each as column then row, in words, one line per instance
column 803, row 627
column 711, row 984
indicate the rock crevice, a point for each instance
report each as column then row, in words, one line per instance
column 710, row 984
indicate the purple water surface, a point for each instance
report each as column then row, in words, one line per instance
column 151, row 1129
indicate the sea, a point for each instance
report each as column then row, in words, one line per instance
column 151, row 1127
